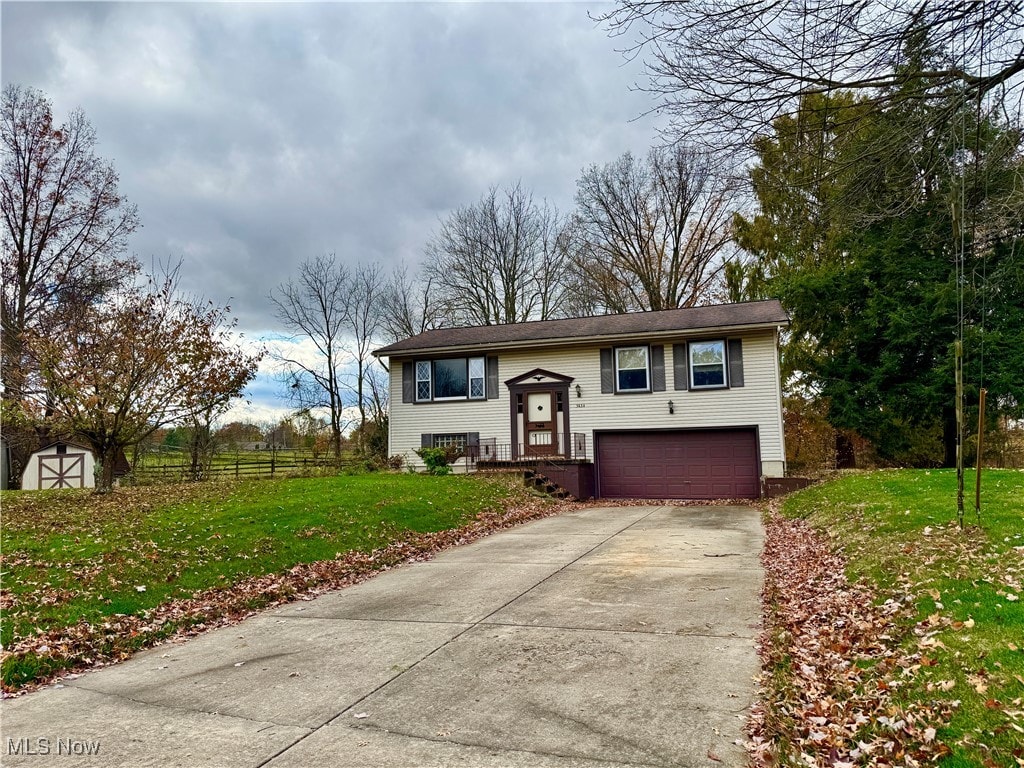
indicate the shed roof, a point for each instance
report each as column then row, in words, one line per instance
column 48, row 444
column 714, row 317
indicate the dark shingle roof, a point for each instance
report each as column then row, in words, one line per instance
column 754, row 313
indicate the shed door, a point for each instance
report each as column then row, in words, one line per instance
column 63, row 470
column 698, row 464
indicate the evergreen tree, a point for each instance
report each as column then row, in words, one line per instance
column 873, row 260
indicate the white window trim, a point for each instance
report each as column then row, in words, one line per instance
column 469, row 381
column 447, row 439
column 482, row 378
column 647, row 369
column 429, row 380
column 725, row 364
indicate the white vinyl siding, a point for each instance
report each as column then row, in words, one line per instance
column 756, row 404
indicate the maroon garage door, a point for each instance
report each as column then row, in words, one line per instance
column 699, row 464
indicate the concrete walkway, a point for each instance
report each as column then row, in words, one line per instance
column 618, row 636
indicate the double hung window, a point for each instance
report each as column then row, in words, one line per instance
column 631, row 369
column 707, row 364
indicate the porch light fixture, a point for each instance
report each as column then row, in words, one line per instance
column 579, row 391
column 671, row 407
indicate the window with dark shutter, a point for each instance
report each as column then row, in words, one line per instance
column 707, row 364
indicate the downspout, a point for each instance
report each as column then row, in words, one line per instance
column 778, row 384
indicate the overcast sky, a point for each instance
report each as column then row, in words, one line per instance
column 253, row 136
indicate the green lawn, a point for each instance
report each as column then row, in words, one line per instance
column 78, row 558
column 898, row 531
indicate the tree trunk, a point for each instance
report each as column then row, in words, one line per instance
column 108, row 459
column 362, row 410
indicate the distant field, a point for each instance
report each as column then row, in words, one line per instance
column 173, row 464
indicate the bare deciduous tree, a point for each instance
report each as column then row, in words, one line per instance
column 726, row 71
column 314, row 305
column 363, row 320
column 498, row 260
column 408, row 306
column 65, row 223
column 338, row 309
column 652, row 234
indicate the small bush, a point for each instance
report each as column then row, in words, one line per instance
column 438, row 460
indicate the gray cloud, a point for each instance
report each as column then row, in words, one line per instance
column 253, row 136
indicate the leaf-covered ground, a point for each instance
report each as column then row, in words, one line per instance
column 89, row 579
column 892, row 637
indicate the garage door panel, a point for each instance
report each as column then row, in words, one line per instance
column 697, row 464
column 698, row 472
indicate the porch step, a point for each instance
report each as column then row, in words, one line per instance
column 538, row 482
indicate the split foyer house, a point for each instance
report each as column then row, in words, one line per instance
column 682, row 403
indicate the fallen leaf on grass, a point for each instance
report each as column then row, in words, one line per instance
column 845, row 660
column 119, row 636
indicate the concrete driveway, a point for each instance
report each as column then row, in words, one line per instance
column 617, row 636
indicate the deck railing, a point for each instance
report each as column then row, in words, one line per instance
column 571, row 446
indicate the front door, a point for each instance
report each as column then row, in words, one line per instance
column 541, row 434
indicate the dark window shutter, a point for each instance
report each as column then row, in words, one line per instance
column 680, row 367
column 492, row 378
column 408, row 383
column 607, row 371
column 658, row 368
column 735, row 362
column 473, row 444
column 427, row 440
